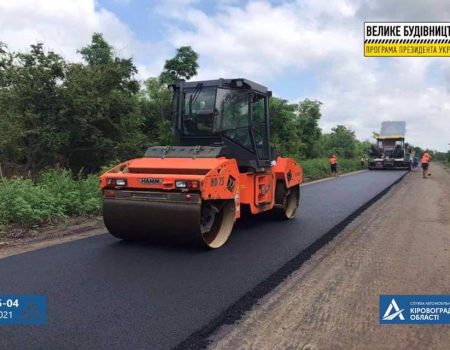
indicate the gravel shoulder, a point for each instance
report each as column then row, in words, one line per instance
column 400, row 245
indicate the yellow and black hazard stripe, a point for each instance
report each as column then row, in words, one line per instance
column 407, row 41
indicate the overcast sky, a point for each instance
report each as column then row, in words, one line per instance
column 299, row 49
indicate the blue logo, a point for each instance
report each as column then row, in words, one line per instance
column 393, row 311
column 23, row 309
column 414, row 309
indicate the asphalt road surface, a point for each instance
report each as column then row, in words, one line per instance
column 106, row 294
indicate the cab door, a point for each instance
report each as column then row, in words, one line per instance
column 259, row 115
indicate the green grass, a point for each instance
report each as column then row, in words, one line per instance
column 315, row 169
column 53, row 194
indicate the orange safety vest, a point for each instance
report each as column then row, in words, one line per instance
column 425, row 159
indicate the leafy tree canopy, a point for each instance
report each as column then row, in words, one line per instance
column 181, row 67
column 342, row 141
column 98, row 51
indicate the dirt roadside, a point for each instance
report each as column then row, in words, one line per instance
column 19, row 239
column 401, row 245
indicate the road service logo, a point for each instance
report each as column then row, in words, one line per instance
column 393, row 311
column 404, row 39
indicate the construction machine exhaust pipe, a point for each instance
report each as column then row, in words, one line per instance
column 167, row 219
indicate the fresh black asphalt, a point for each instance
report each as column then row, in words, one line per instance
column 106, row 294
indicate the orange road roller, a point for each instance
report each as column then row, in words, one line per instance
column 194, row 192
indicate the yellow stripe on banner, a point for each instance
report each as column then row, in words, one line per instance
column 407, row 50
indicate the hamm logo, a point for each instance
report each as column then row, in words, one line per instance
column 150, row 181
column 393, row 311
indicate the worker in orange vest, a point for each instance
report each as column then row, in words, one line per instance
column 425, row 164
column 333, row 165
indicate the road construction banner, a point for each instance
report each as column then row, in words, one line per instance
column 407, row 39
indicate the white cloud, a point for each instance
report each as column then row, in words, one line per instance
column 65, row 26
column 262, row 41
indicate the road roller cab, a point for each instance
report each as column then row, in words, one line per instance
column 193, row 192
